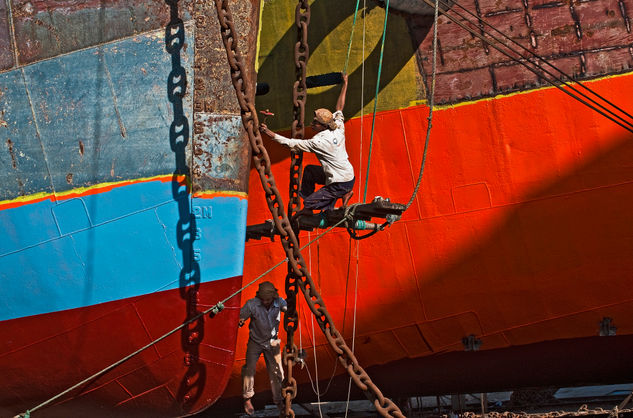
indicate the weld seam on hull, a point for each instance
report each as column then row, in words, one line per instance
column 37, row 132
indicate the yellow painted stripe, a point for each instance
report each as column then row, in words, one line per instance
column 259, row 34
column 209, row 194
column 104, row 187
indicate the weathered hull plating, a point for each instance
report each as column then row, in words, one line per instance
column 516, row 251
column 75, row 343
column 123, row 180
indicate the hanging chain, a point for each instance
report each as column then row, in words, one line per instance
column 299, row 96
column 244, row 92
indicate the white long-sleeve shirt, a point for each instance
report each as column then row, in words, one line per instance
column 329, row 147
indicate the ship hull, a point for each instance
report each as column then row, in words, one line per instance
column 515, row 251
column 174, row 377
column 463, row 271
column 123, row 199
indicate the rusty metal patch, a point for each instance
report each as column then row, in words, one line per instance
column 6, row 50
column 220, row 146
column 553, row 30
column 48, row 28
column 220, row 160
column 213, row 89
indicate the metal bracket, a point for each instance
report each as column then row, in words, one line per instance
column 471, row 343
column 607, row 329
column 361, row 217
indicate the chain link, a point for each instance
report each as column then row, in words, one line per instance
column 299, row 96
column 243, row 89
column 291, row 321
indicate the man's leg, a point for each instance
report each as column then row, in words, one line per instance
column 347, row 189
column 275, row 372
column 326, row 196
column 312, row 175
column 253, row 351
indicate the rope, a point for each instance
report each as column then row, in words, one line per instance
column 373, row 121
column 316, row 364
column 419, row 181
column 352, row 232
column 349, row 385
column 362, row 100
column 316, row 389
column 431, row 103
column 316, row 367
column 213, row 310
column 349, row 214
column 360, row 158
column 349, row 45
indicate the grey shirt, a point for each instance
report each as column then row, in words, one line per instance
column 264, row 324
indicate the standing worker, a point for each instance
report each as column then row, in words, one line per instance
column 335, row 172
column 264, row 311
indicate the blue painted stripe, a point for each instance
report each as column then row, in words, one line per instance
column 129, row 241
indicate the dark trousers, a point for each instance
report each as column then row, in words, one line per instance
column 326, row 196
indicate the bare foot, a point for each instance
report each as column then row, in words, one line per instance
column 346, row 198
column 248, row 407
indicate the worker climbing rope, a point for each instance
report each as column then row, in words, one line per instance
column 336, row 173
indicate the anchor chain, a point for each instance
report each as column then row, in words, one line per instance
column 299, row 96
column 245, row 98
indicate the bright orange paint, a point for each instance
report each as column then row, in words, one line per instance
column 520, row 234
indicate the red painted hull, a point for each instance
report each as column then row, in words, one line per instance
column 519, row 236
column 173, row 378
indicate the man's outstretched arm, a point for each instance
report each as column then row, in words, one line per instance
column 340, row 103
column 306, row 145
